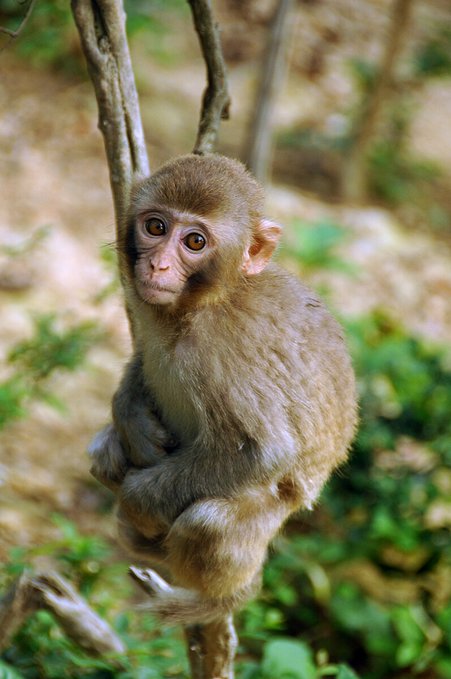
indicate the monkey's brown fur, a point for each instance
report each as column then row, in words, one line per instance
column 239, row 399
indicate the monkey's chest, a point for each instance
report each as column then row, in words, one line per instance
column 173, row 395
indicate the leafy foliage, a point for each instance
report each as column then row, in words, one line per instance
column 314, row 245
column 33, row 361
column 364, row 73
column 143, row 15
column 395, row 175
column 41, row 649
column 359, row 588
column 50, row 38
column 434, row 57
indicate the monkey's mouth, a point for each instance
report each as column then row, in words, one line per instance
column 151, row 285
column 154, row 293
column 159, row 288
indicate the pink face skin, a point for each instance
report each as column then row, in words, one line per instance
column 171, row 247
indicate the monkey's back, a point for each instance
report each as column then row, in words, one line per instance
column 320, row 378
column 309, row 379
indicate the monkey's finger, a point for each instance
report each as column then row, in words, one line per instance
column 147, row 441
column 154, row 431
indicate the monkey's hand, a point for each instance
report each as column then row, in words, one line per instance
column 153, row 492
column 109, row 464
column 165, row 490
column 144, row 439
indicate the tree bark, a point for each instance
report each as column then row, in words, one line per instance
column 101, row 25
column 355, row 171
column 216, row 100
column 211, row 649
column 258, row 153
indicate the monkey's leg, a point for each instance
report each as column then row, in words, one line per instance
column 217, row 546
column 142, row 536
column 215, row 551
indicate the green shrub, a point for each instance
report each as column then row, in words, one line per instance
column 314, row 245
column 50, row 39
column 360, row 586
column 396, row 176
column 51, row 348
column 434, row 57
column 41, row 650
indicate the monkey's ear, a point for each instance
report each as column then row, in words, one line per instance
column 259, row 252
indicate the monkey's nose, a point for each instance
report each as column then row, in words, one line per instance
column 159, row 267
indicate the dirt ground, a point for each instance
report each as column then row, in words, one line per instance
column 54, row 174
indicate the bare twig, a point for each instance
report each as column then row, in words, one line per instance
column 101, row 24
column 355, row 174
column 23, row 23
column 216, row 100
column 259, row 145
column 52, row 592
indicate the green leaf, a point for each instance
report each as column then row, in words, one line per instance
column 8, row 672
column 288, row 659
column 406, row 625
column 407, row 654
column 345, row 672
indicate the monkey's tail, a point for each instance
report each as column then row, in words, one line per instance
column 177, row 605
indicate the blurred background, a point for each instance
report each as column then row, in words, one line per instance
column 352, row 140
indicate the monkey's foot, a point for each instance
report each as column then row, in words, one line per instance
column 177, row 605
column 152, row 583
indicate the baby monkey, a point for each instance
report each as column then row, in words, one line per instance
column 239, row 399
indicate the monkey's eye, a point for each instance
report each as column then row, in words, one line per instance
column 155, row 226
column 195, row 241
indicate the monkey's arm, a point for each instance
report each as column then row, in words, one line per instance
column 136, row 438
column 143, row 437
column 168, row 488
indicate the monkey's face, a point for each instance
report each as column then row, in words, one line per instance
column 178, row 254
column 170, row 248
column 193, row 231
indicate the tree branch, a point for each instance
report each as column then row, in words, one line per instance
column 259, row 144
column 355, row 171
column 101, row 25
column 52, row 592
column 23, row 23
column 216, row 100
column 211, row 647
